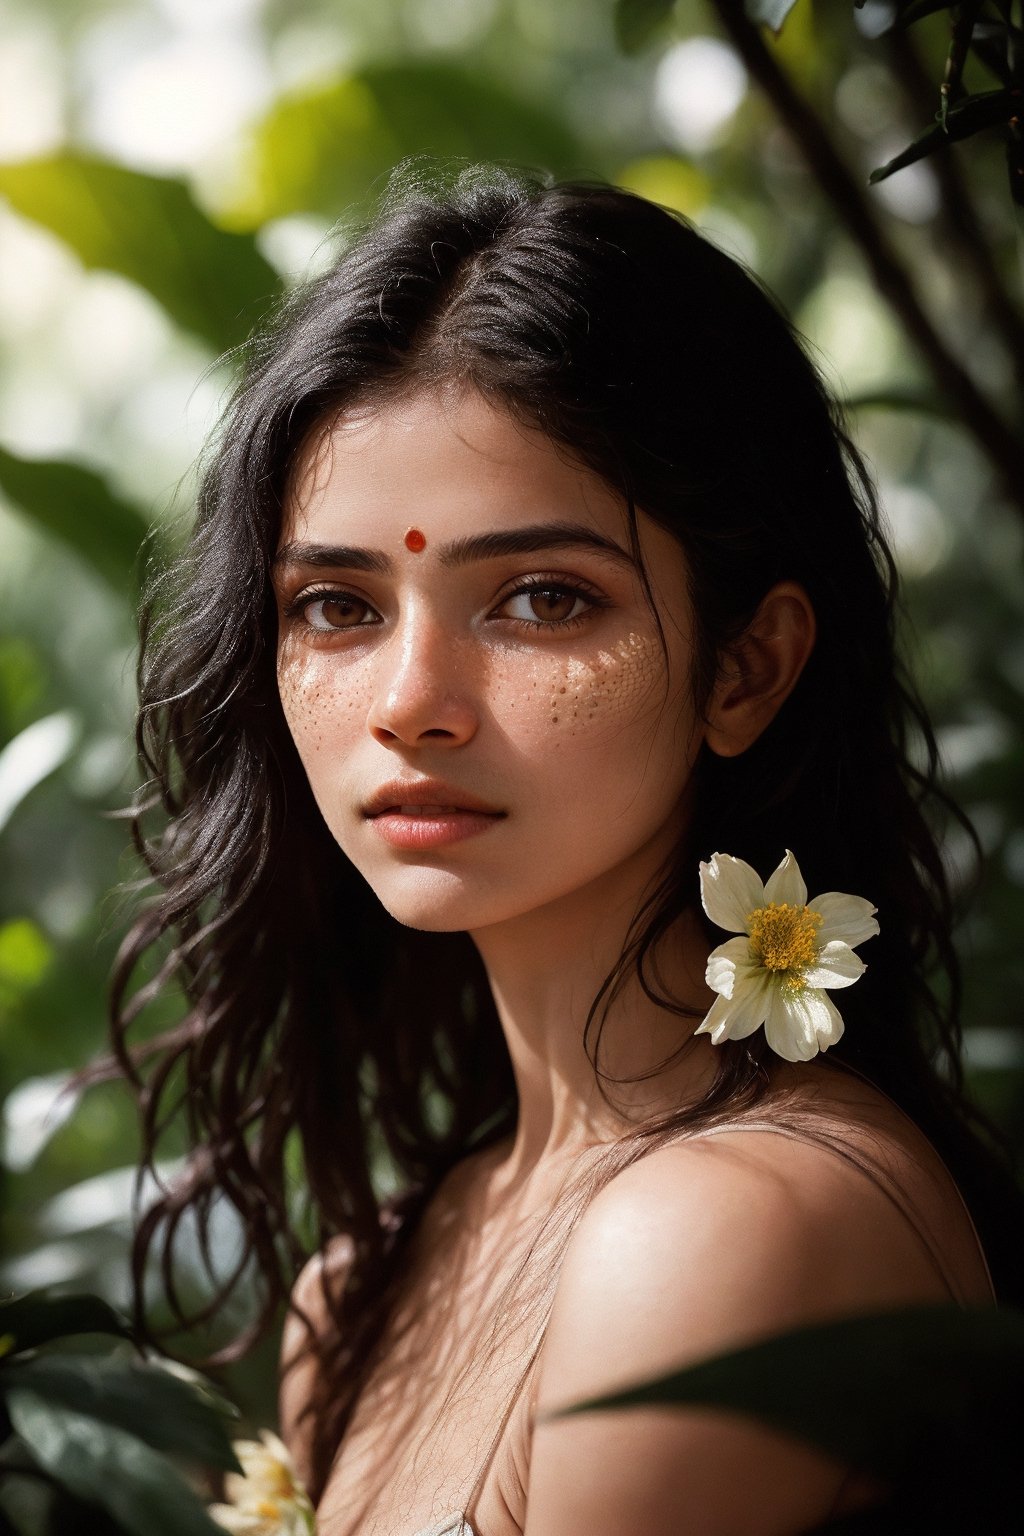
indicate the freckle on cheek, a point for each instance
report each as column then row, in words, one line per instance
column 614, row 688
column 312, row 701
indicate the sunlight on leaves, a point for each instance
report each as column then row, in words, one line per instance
column 148, row 228
column 325, row 149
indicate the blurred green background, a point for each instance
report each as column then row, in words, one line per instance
column 168, row 166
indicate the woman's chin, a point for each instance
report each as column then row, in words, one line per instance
column 432, row 901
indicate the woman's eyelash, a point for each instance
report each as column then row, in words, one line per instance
column 562, row 589
column 296, row 609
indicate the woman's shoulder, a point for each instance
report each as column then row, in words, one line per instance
column 709, row 1244
column 753, row 1227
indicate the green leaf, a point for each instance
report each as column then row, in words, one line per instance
column 327, row 148
column 161, row 1409
column 768, row 13
column 39, row 1318
column 107, row 1466
column 77, row 505
column 637, row 21
column 968, row 117
column 148, row 229
column 880, row 1392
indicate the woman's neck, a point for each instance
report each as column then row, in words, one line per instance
column 545, row 968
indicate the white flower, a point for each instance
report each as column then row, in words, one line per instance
column 791, row 953
column 267, row 1498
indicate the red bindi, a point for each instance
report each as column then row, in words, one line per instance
column 415, row 540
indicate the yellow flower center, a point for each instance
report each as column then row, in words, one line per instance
column 784, row 938
column 269, row 1509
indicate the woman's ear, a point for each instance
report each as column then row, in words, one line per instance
column 761, row 670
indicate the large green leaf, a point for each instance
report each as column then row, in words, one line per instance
column 167, row 1413
column 324, row 149
column 149, row 229
column 107, row 1466
column 880, row 1392
column 77, row 505
column 38, row 1318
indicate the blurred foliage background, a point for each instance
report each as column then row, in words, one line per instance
column 167, row 167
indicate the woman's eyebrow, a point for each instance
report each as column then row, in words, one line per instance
column 460, row 551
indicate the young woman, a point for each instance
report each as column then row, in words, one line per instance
column 537, row 611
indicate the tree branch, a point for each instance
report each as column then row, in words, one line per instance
column 958, row 212
column 994, row 436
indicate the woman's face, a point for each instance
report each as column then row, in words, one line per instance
column 510, row 660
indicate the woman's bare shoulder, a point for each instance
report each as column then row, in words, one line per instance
column 741, row 1231
column 698, row 1248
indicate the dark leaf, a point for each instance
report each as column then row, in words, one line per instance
column 38, row 1318
column 164, row 1411
column 912, row 1382
column 915, row 10
column 970, row 116
column 107, row 1466
column 637, row 21
column 148, row 229
column 77, row 505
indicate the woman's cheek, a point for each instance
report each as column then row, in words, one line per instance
column 317, row 708
column 591, row 697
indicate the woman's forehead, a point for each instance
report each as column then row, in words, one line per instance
column 445, row 463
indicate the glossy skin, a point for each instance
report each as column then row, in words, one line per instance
column 559, row 708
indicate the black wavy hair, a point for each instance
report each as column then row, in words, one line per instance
column 317, row 1029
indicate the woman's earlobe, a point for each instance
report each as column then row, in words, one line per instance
column 761, row 670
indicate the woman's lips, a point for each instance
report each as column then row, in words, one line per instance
column 424, row 826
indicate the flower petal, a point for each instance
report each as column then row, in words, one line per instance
column 849, row 918
column 235, row 1520
column 277, row 1449
column 716, row 1021
column 787, row 1028
column 729, row 891
column 836, row 966
column 237, row 1486
column 800, row 1024
column 750, row 1002
column 733, row 1018
column 727, row 964
column 829, row 1020
column 787, row 883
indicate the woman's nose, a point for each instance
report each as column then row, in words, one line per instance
column 423, row 690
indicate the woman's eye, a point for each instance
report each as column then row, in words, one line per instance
column 329, row 611
column 549, row 604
